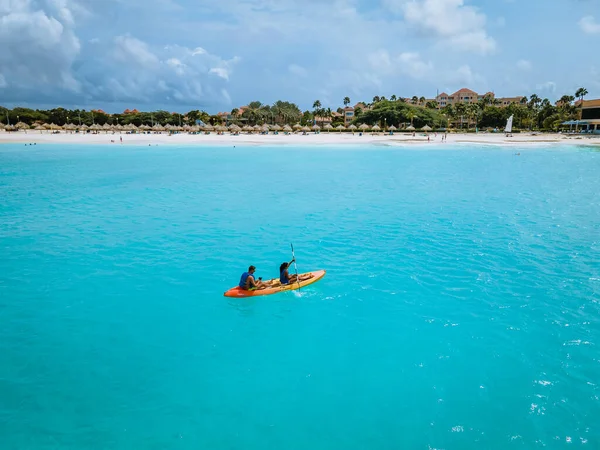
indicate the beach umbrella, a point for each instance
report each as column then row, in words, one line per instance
column 208, row 128
column 410, row 128
column 22, row 126
column 305, row 129
column 276, row 128
column 84, row 127
column 2, row 126
column 247, row 128
column 352, row 127
column 257, row 127
column 316, row 127
column 426, row 128
column 363, row 127
column 392, row 128
column 376, row 128
column 297, row 127
column 106, row 127
column 40, row 128
column 340, row 127
column 287, row 129
column 186, row 127
column 328, row 127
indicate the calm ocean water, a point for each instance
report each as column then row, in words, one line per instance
column 460, row 309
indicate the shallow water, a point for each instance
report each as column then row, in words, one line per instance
column 460, row 309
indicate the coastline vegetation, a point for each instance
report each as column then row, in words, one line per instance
column 531, row 113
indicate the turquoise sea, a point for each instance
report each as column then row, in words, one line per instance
column 460, row 309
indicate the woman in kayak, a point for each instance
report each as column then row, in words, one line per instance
column 248, row 282
column 286, row 278
column 284, row 275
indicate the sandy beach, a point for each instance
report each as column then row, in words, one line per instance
column 323, row 138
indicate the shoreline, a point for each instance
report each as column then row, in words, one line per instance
column 321, row 139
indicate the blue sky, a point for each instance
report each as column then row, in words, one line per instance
column 220, row 54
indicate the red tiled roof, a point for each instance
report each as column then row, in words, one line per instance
column 464, row 91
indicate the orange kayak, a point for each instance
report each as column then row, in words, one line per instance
column 274, row 286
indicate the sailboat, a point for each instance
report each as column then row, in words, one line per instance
column 509, row 123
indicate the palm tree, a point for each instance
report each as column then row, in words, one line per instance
column 415, row 99
column 376, row 99
column 534, row 102
column 346, row 101
column 382, row 98
column 473, row 112
column 254, row 112
column 581, row 92
column 317, row 109
column 393, row 97
column 566, row 100
column 410, row 115
column 461, row 109
column 422, row 101
column 235, row 112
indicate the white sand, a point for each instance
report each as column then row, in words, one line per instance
column 324, row 138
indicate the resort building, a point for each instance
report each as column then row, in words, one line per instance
column 590, row 116
column 465, row 95
column 349, row 112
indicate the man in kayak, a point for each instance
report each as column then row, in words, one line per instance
column 248, row 282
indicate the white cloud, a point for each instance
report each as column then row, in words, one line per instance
column 297, row 70
column 177, row 65
column 131, row 50
column 38, row 43
column 199, row 51
column 406, row 63
column 413, row 65
column 548, row 86
column 451, row 22
column 220, row 72
column 141, row 73
column 464, row 76
column 589, row 25
column 524, row 65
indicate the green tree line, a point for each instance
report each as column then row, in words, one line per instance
column 530, row 113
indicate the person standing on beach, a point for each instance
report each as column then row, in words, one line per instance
column 121, row 137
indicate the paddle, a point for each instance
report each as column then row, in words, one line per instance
column 295, row 265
